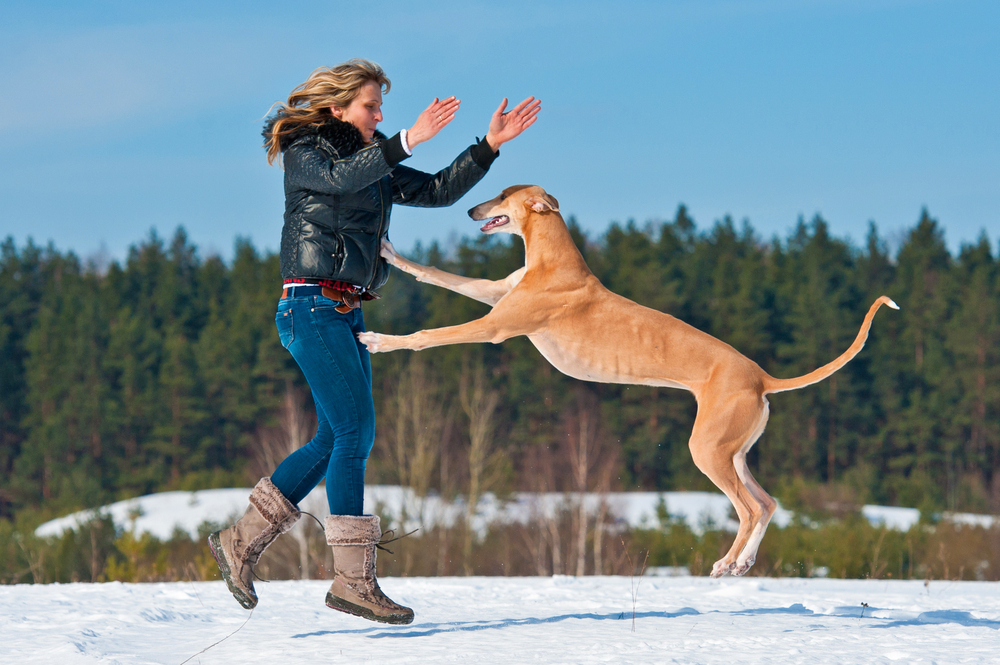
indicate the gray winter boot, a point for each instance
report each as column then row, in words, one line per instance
column 238, row 548
column 355, row 588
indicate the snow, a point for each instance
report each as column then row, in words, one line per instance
column 900, row 519
column 511, row 620
column 678, row 618
column 160, row 514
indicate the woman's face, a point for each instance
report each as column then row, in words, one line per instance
column 364, row 111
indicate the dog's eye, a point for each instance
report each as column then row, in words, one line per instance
column 503, row 197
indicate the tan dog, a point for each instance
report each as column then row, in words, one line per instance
column 592, row 334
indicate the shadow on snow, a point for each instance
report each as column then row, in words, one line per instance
column 908, row 619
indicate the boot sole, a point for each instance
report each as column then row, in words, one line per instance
column 246, row 601
column 337, row 603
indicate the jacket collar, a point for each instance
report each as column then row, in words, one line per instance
column 344, row 137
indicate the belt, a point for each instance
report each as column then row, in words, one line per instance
column 347, row 300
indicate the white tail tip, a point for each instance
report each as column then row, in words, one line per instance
column 891, row 303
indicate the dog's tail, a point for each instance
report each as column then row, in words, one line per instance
column 773, row 385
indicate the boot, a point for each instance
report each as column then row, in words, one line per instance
column 355, row 588
column 238, row 548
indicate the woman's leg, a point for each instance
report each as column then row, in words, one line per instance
column 326, row 349
column 302, row 470
column 354, row 431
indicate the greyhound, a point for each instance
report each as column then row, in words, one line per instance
column 592, row 334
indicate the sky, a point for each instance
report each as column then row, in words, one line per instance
column 118, row 118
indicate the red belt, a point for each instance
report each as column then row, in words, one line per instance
column 347, row 300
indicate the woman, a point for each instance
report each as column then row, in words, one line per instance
column 341, row 178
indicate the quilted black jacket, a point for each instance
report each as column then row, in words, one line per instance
column 339, row 193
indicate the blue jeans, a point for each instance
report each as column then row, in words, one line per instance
column 324, row 344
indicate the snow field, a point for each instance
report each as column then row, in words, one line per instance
column 511, row 620
column 159, row 514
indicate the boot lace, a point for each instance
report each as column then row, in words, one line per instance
column 381, row 544
column 261, row 579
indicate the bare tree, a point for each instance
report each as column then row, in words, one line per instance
column 274, row 443
column 479, row 402
column 419, row 420
column 588, row 453
column 540, row 474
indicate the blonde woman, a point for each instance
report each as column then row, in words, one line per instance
column 342, row 177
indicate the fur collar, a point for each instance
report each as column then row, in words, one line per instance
column 344, row 137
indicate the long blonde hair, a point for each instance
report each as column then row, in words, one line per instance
column 309, row 103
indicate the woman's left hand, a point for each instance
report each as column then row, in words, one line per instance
column 505, row 126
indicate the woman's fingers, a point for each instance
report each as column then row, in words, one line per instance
column 520, row 107
column 433, row 119
column 527, row 110
column 442, row 106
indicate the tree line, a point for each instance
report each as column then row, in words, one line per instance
column 164, row 371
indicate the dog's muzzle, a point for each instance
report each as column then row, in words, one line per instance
column 495, row 222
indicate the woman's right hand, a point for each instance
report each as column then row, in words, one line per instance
column 432, row 120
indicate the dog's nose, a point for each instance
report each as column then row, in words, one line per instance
column 471, row 211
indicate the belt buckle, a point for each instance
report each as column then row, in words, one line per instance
column 348, row 302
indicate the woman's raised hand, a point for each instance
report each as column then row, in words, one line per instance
column 432, row 120
column 505, row 126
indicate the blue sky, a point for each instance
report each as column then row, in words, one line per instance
column 118, row 117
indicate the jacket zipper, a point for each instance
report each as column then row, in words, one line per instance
column 378, row 239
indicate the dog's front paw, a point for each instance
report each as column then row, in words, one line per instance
column 375, row 342
column 388, row 252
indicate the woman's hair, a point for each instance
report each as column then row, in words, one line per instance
column 309, row 103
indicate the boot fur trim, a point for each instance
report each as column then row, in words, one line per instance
column 281, row 516
column 353, row 530
column 279, row 512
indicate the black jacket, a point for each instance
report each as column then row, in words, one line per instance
column 339, row 193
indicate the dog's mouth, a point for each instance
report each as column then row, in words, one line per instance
column 494, row 223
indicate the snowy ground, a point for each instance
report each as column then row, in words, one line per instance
column 511, row 620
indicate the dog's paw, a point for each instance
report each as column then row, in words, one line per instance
column 722, row 567
column 743, row 568
column 388, row 252
column 375, row 342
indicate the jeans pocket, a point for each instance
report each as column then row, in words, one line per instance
column 286, row 329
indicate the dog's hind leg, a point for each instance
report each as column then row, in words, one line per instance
column 724, row 429
column 748, row 554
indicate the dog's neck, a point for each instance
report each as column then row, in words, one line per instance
column 548, row 243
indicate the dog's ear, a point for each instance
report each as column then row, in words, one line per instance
column 543, row 203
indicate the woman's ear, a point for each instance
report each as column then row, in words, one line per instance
column 337, row 111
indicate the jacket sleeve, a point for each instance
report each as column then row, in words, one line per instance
column 307, row 166
column 416, row 188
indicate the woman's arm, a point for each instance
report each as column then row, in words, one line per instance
column 308, row 167
column 416, row 188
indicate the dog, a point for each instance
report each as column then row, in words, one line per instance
column 592, row 334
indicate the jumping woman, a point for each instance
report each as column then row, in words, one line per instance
column 342, row 177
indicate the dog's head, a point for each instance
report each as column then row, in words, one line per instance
column 512, row 210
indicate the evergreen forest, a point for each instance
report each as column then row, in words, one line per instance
column 164, row 371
